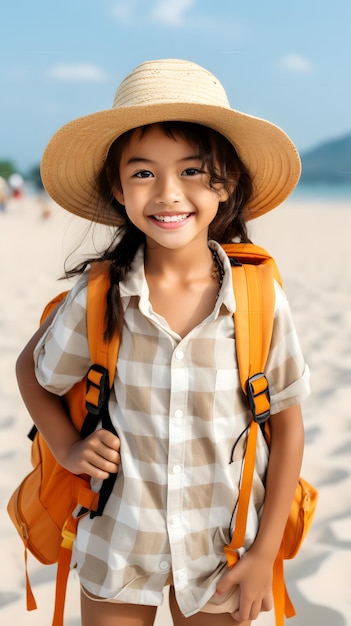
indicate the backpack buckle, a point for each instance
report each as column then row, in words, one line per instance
column 67, row 538
column 97, row 388
column 258, row 396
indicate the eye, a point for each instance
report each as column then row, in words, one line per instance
column 143, row 174
column 192, row 171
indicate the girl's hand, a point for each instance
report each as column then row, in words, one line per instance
column 97, row 455
column 253, row 574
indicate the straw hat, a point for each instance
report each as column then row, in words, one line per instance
column 166, row 90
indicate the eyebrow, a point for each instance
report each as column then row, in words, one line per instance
column 140, row 159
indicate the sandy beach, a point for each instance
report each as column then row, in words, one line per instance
column 311, row 243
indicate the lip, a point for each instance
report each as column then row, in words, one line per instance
column 169, row 221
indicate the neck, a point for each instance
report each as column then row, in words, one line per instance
column 195, row 259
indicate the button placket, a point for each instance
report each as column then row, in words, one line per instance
column 176, row 453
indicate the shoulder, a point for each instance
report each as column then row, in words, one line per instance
column 70, row 314
column 66, row 336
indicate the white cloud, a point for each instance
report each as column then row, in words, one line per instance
column 296, row 63
column 79, row 72
column 122, row 12
column 171, row 12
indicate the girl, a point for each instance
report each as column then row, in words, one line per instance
column 178, row 172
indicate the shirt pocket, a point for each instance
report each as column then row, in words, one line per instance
column 228, row 396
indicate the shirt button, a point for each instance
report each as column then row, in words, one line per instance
column 164, row 565
column 176, row 521
column 176, row 469
column 179, row 355
column 178, row 413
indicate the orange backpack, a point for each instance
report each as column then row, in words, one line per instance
column 42, row 511
column 41, row 508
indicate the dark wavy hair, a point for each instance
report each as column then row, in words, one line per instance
column 219, row 158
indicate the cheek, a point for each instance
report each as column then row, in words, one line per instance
column 134, row 210
column 211, row 199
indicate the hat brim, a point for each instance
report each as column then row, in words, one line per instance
column 76, row 153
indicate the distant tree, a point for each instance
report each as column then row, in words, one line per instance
column 7, row 168
column 34, row 176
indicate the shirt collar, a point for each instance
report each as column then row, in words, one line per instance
column 135, row 283
column 226, row 294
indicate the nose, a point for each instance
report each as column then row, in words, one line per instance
column 168, row 190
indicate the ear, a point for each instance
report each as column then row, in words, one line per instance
column 118, row 194
column 223, row 194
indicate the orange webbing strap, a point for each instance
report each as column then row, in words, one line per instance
column 88, row 500
column 253, row 317
column 30, row 599
column 63, row 567
column 254, row 297
column 102, row 352
column 237, row 541
column 282, row 603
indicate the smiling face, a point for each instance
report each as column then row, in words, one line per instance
column 165, row 190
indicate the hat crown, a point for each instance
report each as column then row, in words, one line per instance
column 167, row 81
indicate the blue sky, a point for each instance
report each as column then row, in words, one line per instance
column 286, row 61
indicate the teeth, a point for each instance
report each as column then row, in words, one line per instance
column 171, row 218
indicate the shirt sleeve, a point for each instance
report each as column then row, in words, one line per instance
column 286, row 370
column 61, row 356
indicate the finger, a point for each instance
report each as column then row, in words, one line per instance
column 109, row 454
column 250, row 610
column 246, row 604
column 267, row 603
column 255, row 610
column 100, row 468
column 227, row 581
column 95, row 472
column 91, row 466
column 108, row 438
column 101, row 460
column 242, row 614
column 106, row 446
column 107, row 459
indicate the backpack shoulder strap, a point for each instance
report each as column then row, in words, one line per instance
column 253, row 274
column 253, row 270
column 103, row 353
column 255, row 255
column 51, row 306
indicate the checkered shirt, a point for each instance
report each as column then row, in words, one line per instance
column 178, row 410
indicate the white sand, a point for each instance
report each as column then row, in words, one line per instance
column 311, row 244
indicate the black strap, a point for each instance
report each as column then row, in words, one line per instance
column 108, row 483
column 95, row 414
column 33, row 431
